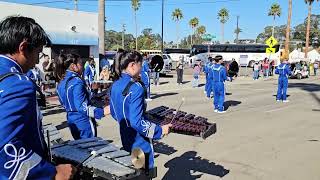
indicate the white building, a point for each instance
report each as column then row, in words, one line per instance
column 69, row 30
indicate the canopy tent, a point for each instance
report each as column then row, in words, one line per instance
column 296, row 56
column 313, row 56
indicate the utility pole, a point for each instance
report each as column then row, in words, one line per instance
column 123, row 32
column 101, row 26
column 76, row 5
column 237, row 38
column 162, row 29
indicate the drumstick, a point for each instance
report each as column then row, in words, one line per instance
column 92, row 154
column 182, row 100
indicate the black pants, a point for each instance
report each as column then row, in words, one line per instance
column 179, row 75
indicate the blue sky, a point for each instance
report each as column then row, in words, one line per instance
column 253, row 14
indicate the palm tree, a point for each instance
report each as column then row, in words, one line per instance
column 288, row 31
column 274, row 11
column 309, row 2
column 201, row 30
column 135, row 6
column 194, row 22
column 177, row 16
column 237, row 31
column 223, row 16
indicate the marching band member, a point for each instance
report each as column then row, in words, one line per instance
column 284, row 72
column 23, row 150
column 127, row 103
column 219, row 74
column 75, row 98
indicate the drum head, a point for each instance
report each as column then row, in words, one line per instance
column 157, row 63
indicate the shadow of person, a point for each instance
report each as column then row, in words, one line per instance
column 227, row 104
column 189, row 165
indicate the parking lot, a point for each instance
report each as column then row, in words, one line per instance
column 257, row 139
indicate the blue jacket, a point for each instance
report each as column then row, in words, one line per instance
column 206, row 67
column 219, row 73
column 89, row 73
column 135, row 129
column 23, row 151
column 75, row 98
column 209, row 71
column 145, row 73
column 34, row 75
column 283, row 70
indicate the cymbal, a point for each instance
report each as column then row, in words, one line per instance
column 138, row 158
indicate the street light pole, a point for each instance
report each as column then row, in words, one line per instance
column 101, row 26
column 162, row 29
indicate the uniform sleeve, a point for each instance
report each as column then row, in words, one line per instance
column 137, row 120
column 224, row 75
column 277, row 70
column 17, row 160
column 289, row 71
column 87, row 74
column 82, row 104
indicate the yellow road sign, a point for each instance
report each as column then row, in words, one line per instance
column 271, row 42
column 271, row 50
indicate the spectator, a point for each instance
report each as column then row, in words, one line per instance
column 256, row 69
column 315, row 67
column 271, row 68
column 104, row 75
column 180, row 70
column 266, row 67
column 47, row 64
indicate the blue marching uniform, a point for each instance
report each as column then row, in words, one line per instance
column 89, row 73
column 75, row 98
column 284, row 72
column 145, row 76
column 127, row 106
column 219, row 74
column 23, row 151
column 34, row 75
column 210, row 80
column 206, row 70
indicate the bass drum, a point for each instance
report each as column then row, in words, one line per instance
column 156, row 63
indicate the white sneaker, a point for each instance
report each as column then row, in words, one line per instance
column 205, row 92
column 216, row 110
column 221, row 112
column 148, row 99
column 285, row 101
column 278, row 100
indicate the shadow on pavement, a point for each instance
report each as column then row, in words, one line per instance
column 155, row 96
column 227, row 104
column 190, row 166
column 162, row 148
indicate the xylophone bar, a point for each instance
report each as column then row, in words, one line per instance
column 183, row 122
column 109, row 163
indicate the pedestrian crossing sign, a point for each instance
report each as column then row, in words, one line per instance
column 271, row 50
column 271, row 42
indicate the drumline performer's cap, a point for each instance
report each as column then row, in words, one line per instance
column 218, row 58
